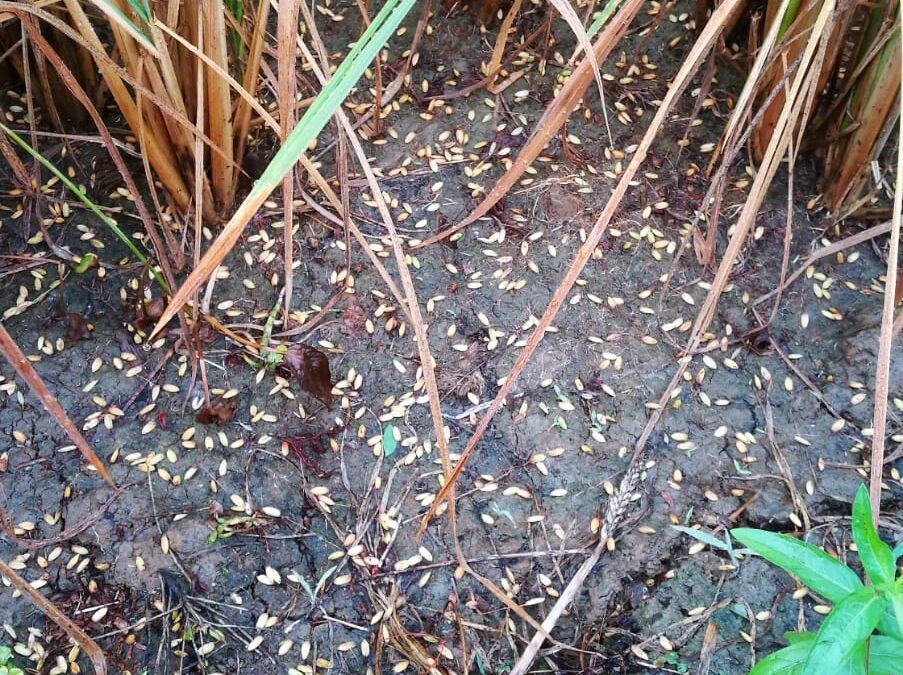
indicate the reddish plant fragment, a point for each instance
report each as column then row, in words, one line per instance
column 76, row 327
column 354, row 318
column 220, row 413
column 301, row 444
column 311, row 367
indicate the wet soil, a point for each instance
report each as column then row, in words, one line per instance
column 285, row 538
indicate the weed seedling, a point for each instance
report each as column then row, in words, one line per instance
column 7, row 668
column 863, row 633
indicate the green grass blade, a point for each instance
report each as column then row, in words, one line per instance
column 313, row 121
column 789, row 17
column 141, row 8
column 332, row 95
column 116, row 15
column 602, row 17
column 702, row 536
column 77, row 191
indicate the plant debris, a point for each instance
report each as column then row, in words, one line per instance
column 311, row 368
column 219, row 413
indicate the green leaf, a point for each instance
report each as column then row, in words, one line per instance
column 790, row 660
column 85, row 262
column 854, row 663
column 875, row 555
column 825, row 575
column 885, row 655
column 784, row 661
column 844, row 631
column 898, row 550
column 78, row 192
column 307, row 589
column 702, row 536
column 141, row 9
column 889, row 624
column 116, row 15
column 331, row 96
column 321, row 582
column 601, row 17
column 895, row 607
column 795, row 636
column 5, row 655
column 389, row 442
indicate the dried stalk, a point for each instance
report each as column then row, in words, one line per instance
column 882, row 368
column 80, row 637
column 23, row 367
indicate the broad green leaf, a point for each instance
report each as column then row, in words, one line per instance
column 898, row 550
column 825, row 575
column 896, row 608
column 844, row 630
column 786, row 661
column 875, row 555
column 885, row 655
column 795, row 636
column 889, row 625
column 854, row 663
column 389, row 442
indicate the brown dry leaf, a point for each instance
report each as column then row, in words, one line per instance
column 153, row 308
column 561, row 205
column 354, row 318
column 311, row 367
column 76, row 327
column 147, row 311
column 709, row 642
column 220, row 413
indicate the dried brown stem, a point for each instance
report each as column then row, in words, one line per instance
column 23, row 367
column 79, row 636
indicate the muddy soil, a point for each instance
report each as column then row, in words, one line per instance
column 284, row 539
